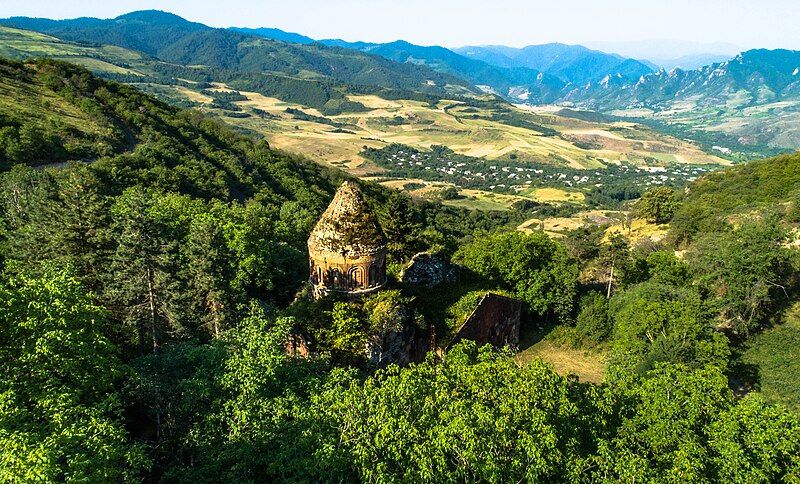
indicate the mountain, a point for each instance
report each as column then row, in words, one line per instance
column 146, row 31
column 654, row 49
column 754, row 77
column 176, row 40
column 573, row 64
column 692, row 61
column 519, row 82
column 275, row 34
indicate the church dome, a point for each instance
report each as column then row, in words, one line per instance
column 347, row 227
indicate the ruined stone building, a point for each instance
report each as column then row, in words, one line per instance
column 347, row 249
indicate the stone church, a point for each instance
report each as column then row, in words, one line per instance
column 347, row 256
column 347, row 249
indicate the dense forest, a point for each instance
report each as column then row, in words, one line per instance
column 152, row 276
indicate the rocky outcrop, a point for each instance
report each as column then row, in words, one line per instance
column 429, row 270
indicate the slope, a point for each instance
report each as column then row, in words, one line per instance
column 174, row 39
column 104, row 59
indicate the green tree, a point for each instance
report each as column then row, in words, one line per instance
column 657, row 323
column 258, row 428
column 145, row 264
column 348, row 330
column 60, row 414
column 593, row 325
column 474, row 416
column 746, row 272
column 536, row 268
column 679, row 424
column 657, row 205
column 211, row 272
column 401, row 224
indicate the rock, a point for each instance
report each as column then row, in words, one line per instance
column 429, row 270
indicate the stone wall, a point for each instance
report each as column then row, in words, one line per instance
column 353, row 275
column 494, row 321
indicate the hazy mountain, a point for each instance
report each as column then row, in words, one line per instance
column 654, row 49
column 520, row 83
column 693, row 61
column 573, row 64
column 754, row 77
column 275, row 34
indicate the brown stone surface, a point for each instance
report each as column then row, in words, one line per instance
column 494, row 321
column 347, row 249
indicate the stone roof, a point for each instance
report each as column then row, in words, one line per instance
column 347, row 226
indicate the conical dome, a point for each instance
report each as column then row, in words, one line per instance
column 347, row 226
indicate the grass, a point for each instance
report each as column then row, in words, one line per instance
column 23, row 44
column 639, row 229
column 483, row 200
column 776, row 355
column 587, row 365
column 559, row 226
column 424, row 126
column 553, row 195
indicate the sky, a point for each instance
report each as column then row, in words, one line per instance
column 743, row 23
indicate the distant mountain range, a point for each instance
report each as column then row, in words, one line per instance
column 534, row 74
column 176, row 40
column 754, row 77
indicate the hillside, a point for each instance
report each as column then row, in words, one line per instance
column 103, row 59
column 146, row 31
column 752, row 190
column 43, row 120
column 176, row 40
column 753, row 99
column 520, row 83
column 53, row 112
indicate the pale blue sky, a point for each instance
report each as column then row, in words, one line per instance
column 746, row 23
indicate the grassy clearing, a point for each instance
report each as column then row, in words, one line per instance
column 419, row 125
column 638, row 230
column 553, row 195
column 776, row 355
column 559, row 226
column 588, row 366
column 24, row 44
column 482, row 200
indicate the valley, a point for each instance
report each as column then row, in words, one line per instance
column 243, row 254
column 490, row 146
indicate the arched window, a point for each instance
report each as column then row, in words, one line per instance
column 357, row 278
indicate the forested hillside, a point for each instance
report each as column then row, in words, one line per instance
column 175, row 40
column 150, row 288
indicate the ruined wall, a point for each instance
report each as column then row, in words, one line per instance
column 494, row 321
